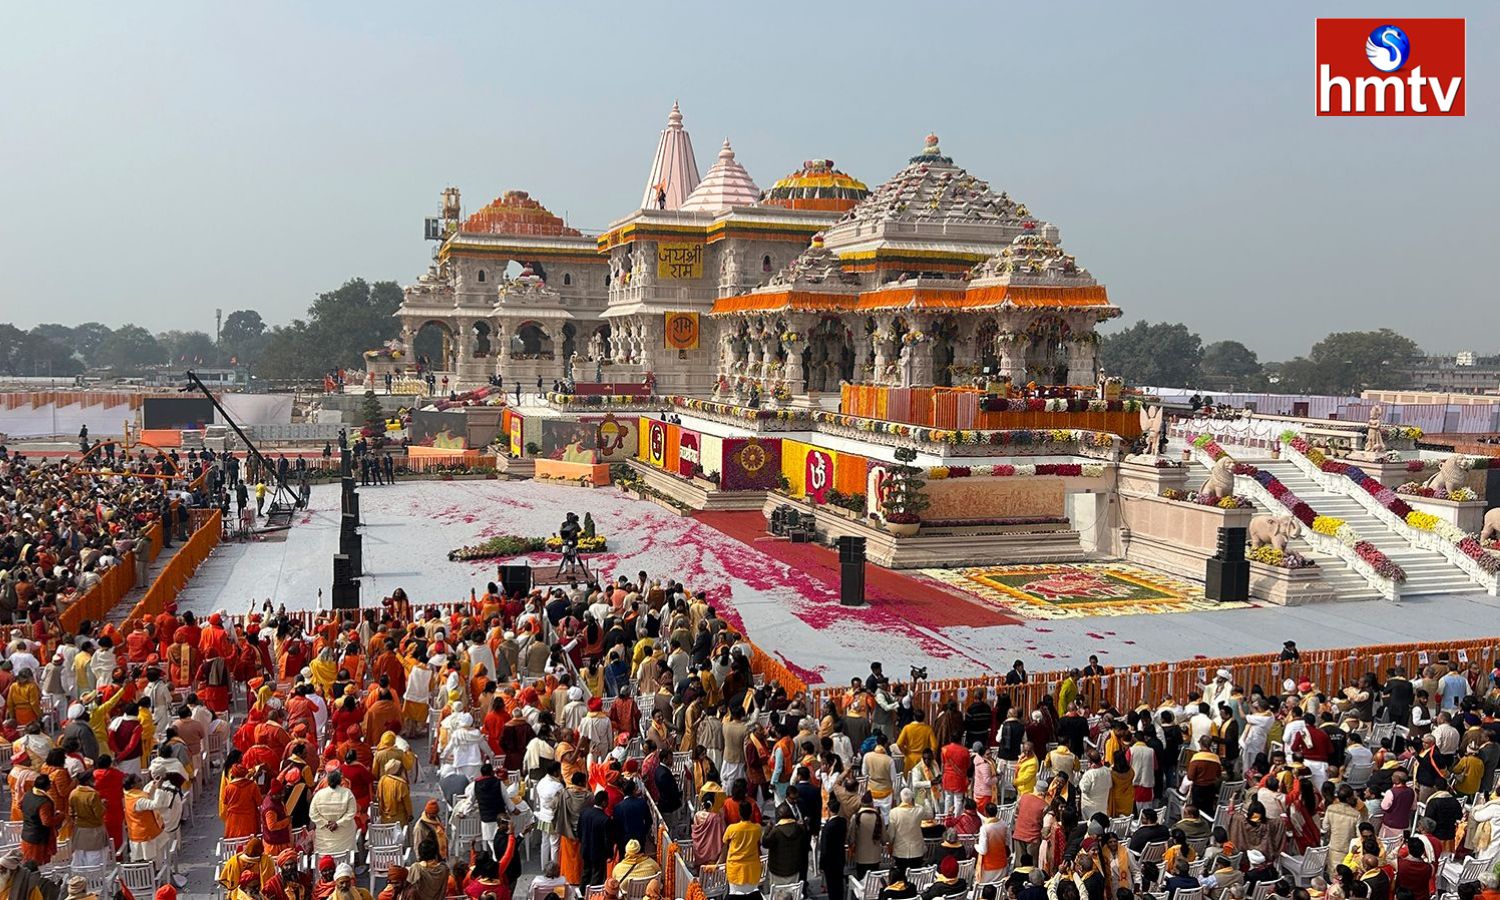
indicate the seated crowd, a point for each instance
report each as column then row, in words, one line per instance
column 622, row 731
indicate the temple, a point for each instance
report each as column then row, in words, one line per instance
column 715, row 286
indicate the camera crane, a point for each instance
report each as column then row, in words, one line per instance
column 283, row 501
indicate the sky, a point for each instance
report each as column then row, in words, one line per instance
column 160, row 160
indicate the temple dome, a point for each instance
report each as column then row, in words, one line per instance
column 931, row 187
column 674, row 171
column 817, row 186
column 515, row 213
column 727, row 184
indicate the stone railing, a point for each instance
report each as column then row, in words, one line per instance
column 1329, row 545
column 1417, row 537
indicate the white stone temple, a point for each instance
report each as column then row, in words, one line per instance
column 713, row 285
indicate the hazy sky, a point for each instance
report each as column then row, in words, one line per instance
column 158, row 160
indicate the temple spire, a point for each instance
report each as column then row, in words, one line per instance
column 674, row 171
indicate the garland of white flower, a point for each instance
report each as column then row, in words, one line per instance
column 1341, row 546
column 1442, row 538
column 1086, row 470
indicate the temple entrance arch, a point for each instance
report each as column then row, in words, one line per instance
column 1047, row 350
column 531, row 341
column 482, row 334
column 829, row 356
column 434, row 345
column 599, row 345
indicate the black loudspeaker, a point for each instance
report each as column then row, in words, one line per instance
column 1227, row 581
column 851, row 570
column 852, row 583
column 345, row 588
column 1231, row 544
column 1491, row 488
column 346, row 464
column 346, row 596
column 351, row 544
column 515, row 579
column 851, row 549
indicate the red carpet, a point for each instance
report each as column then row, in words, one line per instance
column 919, row 600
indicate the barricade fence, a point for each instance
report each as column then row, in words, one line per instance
column 1129, row 687
column 178, row 570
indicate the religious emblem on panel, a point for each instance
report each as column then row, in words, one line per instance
column 818, row 474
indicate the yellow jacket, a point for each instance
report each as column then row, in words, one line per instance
column 742, row 860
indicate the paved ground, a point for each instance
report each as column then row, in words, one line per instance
column 788, row 611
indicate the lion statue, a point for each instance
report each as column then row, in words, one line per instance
column 1450, row 476
column 1491, row 529
column 1220, row 479
column 1273, row 530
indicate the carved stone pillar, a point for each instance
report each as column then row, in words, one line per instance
column 649, row 341
column 1083, row 365
column 886, row 351
column 619, row 342
column 1010, row 349
column 965, row 356
column 861, row 352
column 770, row 342
column 500, row 344
column 796, row 377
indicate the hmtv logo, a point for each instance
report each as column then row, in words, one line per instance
column 1390, row 67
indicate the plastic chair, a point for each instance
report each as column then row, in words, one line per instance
column 1303, row 869
column 713, row 881
column 870, row 886
column 139, row 877
column 381, row 860
column 921, row 878
column 787, row 891
column 384, row 834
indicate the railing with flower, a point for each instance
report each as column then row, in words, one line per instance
column 1326, row 534
column 1234, row 501
column 641, row 400
column 1057, row 404
column 1061, row 439
column 1422, row 530
column 1085, row 470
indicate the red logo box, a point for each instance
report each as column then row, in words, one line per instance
column 1430, row 81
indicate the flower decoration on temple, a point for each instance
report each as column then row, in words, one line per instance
column 914, row 337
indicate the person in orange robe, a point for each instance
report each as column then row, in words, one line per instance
column 382, row 716
column 389, row 665
column 240, row 802
column 110, row 783
column 141, row 643
column 166, row 628
column 215, row 640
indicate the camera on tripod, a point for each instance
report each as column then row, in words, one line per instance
column 918, row 673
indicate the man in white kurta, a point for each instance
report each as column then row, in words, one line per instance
column 332, row 812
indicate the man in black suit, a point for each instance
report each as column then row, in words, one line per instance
column 833, row 850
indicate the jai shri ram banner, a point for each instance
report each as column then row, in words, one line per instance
column 677, row 261
column 680, row 330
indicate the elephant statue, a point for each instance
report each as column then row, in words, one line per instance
column 1273, row 530
column 1491, row 529
column 1450, row 476
column 1220, row 479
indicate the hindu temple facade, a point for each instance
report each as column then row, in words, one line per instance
column 716, row 286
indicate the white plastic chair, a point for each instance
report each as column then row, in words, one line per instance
column 139, row 877
column 1303, row 869
column 713, row 881
column 870, row 886
column 921, row 878
column 787, row 891
column 381, row 860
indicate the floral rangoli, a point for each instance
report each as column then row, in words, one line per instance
column 1067, row 590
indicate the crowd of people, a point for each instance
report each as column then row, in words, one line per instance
column 430, row 748
column 596, row 720
column 60, row 530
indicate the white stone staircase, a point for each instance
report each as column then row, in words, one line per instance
column 1427, row 572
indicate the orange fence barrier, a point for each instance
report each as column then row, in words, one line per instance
column 1129, row 687
column 958, row 409
column 179, row 570
column 767, row 666
column 420, row 459
column 113, row 585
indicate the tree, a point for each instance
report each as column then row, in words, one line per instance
column 289, row 353
column 1230, row 359
column 87, row 338
column 1347, row 362
column 1160, row 355
column 341, row 325
column 242, row 338
column 188, row 348
column 31, row 354
column 130, row 347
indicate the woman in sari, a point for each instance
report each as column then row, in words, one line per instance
column 1304, row 812
column 1253, row 831
column 1121, row 787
